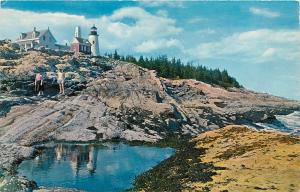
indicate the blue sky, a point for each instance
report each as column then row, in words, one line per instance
column 258, row 42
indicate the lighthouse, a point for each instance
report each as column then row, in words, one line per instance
column 93, row 39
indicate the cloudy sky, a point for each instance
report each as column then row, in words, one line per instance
column 257, row 42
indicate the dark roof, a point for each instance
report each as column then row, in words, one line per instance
column 82, row 40
column 39, row 34
column 62, row 46
column 95, row 28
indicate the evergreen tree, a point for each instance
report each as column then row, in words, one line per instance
column 175, row 69
column 116, row 55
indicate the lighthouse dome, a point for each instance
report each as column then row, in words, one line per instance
column 93, row 30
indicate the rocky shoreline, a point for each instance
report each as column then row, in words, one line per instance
column 232, row 158
column 112, row 100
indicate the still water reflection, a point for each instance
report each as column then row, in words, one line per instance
column 107, row 167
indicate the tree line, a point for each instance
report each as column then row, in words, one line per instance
column 175, row 69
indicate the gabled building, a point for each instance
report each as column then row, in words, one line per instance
column 80, row 44
column 36, row 39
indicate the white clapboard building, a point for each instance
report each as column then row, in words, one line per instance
column 37, row 39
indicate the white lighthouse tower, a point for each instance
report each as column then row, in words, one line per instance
column 93, row 39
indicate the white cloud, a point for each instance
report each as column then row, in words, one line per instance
column 157, row 3
column 206, row 31
column 153, row 45
column 115, row 32
column 162, row 13
column 252, row 46
column 147, row 27
column 258, row 59
column 264, row 12
column 146, row 23
column 195, row 20
column 269, row 52
column 151, row 32
column 62, row 25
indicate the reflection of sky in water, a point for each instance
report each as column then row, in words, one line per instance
column 110, row 168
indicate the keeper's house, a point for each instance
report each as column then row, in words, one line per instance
column 36, row 39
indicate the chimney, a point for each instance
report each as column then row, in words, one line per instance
column 34, row 32
column 77, row 32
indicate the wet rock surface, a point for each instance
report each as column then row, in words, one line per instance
column 16, row 183
column 10, row 156
column 56, row 190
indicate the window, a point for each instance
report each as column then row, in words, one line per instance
column 93, row 42
column 44, row 38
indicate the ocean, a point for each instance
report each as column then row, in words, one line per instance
column 286, row 123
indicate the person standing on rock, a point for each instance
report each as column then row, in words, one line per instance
column 60, row 81
column 39, row 87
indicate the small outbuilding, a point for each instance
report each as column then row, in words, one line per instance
column 80, row 44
